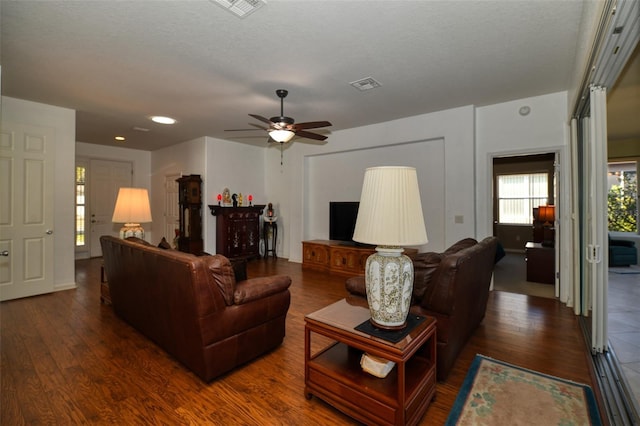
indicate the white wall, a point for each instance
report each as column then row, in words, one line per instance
column 237, row 166
column 288, row 185
column 187, row 158
column 502, row 131
column 221, row 164
column 63, row 120
column 141, row 162
column 339, row 176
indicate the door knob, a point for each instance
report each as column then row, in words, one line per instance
column 49, row 231
column 4, row 253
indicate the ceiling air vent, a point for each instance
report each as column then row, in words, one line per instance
column 240, row 8
column 365, row 84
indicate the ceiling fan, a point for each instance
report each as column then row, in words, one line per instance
column 282, row 129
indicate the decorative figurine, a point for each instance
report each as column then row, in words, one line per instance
column 271, row 214
column 234, row 197
column 240, row 199
column 226, row 197
column 250, row 198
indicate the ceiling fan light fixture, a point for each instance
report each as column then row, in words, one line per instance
column 282, row 136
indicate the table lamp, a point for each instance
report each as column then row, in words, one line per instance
column 390, row 217
column 132, row 208
column 547, row 215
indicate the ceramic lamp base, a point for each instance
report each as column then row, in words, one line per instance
column 389, row 284
column 132, row 230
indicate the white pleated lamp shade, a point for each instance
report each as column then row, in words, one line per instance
column 390, row 212
column 132, row 206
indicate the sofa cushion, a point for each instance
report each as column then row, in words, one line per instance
column 223, row 275
column 425, row 266
column 460, row 245
column 164, row 244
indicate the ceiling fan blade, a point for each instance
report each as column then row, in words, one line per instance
column 261, row 118
column 312, row 125
column 243, row 130
column 309, row 135
column 258, row 127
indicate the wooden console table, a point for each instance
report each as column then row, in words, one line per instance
column 334, row 373
column 338, row 257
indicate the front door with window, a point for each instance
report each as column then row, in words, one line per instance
column 105, row 179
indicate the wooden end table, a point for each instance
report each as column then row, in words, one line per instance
column 334, row 373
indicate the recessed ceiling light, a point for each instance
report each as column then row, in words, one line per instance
column 163, row 120
column 119, row 138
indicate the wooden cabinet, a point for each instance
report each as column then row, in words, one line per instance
column 190, row 202
column 335, row 257
column 315, row 255
column 349, row 260
column 338, row 257
column 238, row 231
column 541, row 263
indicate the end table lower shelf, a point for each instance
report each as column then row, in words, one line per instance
column 334, row 374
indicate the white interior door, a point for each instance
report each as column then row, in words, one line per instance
column 171, row 208
column 26, row 210
column 106, row 178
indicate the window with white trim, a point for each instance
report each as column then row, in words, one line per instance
column 519, row 194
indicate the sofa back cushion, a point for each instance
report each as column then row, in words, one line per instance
column 460, row 245
column 223, row 276
column 425, row 268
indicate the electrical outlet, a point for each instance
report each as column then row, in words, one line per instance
column 458, row 219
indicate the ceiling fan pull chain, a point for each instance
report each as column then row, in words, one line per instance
column 281, row 154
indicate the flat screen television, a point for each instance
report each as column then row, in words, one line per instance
column 342, row 220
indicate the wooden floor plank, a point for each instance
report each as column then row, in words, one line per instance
column 67, row 359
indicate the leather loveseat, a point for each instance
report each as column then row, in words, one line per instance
column 453, row 287
column 193, row 307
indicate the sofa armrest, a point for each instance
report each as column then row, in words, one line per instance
column 356, row 285
column 258, row 288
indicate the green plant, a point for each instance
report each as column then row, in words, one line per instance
column 622, row 204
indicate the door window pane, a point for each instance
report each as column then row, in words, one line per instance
column 80, row 205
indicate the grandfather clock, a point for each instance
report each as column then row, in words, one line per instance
column 190, row 200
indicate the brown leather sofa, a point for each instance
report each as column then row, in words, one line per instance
column 452, row 286
column 193, row 307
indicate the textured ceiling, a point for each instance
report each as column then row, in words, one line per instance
column 118, row 62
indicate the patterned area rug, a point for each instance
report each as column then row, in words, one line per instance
column 497, row 393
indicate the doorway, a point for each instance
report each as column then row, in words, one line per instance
column 521, row 184
column 103, row 180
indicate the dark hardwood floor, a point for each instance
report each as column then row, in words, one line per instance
column 67, row 359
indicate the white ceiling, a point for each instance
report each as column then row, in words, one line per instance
column 118, row 62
